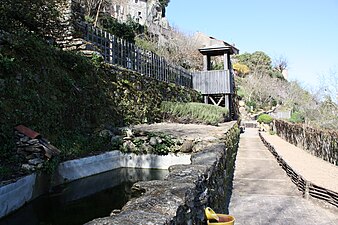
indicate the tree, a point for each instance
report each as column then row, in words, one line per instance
column 179, row 49
column 241, row 69
column 258, row 62
column 280, row 64
column 37, row 16
column 164, row 3
column 329, row 85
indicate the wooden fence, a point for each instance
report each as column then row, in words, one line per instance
column 120, row 52
column 213, row 82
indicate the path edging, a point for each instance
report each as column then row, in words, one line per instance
column 308, row 188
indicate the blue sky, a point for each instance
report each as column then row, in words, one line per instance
column 305, row 32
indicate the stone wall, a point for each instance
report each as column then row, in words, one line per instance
column 321, row 143
column 70, row 13
column 144, row 12
column 144, row 95
column 182, row 197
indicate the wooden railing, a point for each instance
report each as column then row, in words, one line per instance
column 213, row 82
column 120, row 52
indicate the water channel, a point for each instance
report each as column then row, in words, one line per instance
column 83, row 200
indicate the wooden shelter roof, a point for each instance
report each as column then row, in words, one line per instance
column 219, row 49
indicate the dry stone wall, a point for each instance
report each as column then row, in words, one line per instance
column 70, row 12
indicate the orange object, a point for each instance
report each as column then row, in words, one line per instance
column 218, row 219
column 27, row 131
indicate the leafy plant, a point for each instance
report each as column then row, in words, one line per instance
column 264, row 118
column 6, row 63
column 272, row 132
column 36, row 16
column 252, row 104
column 51, row 165
column 4, row 171
column 241, row 69
column 163, row 147
column 126, row 31
column 297, row 117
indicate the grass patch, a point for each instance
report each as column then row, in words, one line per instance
column 194, row 112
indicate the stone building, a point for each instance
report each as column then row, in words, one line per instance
column 145, row 12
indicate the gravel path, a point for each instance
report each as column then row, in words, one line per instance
column 312, row 168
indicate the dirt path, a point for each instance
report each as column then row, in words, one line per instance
column 312, row 168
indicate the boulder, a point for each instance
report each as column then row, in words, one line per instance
column 187, row 146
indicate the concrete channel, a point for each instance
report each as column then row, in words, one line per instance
column 26, row 189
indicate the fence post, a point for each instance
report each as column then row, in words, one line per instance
column 110, row 59
column 307, row 189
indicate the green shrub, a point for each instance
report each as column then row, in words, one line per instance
column 297, row 117
column 264, row 118
column 195, row 112
column 240, row 93
column 272, row 132
column 127, row 31
column 252, row 104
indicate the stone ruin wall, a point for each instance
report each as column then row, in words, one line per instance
column 70, row 12
column 145, row 12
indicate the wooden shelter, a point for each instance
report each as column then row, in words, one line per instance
column 217, row 86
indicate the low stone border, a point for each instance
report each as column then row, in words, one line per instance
column 306, row 187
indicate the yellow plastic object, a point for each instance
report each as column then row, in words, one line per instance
column 218, row 219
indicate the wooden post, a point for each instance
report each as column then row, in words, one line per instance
column 226, row 102
column 205, row 62
column 226, row 61
column 206, row 99
column 208, row 62
column 307, row 190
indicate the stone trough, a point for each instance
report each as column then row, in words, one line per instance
column 195, row 180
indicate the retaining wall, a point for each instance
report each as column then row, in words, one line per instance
column 182, row 197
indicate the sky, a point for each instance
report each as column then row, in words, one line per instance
column 304, row 32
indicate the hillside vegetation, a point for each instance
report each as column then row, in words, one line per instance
column 261, row 85
column 68, row 98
